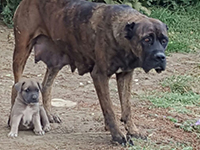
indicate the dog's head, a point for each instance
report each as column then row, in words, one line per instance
column 148, row 41
column 29, row 90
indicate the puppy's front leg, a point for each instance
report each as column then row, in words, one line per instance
column 37, row 125
column 15, row 120
column 45, row 120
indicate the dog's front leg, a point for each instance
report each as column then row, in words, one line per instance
column 44, row 119
column 124, row 82
column 37, row 125
column 101, row 85
column 14, row 122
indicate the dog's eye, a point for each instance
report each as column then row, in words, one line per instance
column 27, row 90
column 37, row 90
column 163, row 41
column 148, row 40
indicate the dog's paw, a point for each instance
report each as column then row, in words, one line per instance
column 47, row 128
column 54, row 118
column 13, row 135
column 41, row 132
column 142, row 135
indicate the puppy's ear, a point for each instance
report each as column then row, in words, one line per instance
column 18, row 86
column 167, row 27
column 40, row 86
column 129, row 30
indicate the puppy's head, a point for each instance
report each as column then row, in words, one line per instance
column 29, row 90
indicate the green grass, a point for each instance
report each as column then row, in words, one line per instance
column 179, row 95
column 184, row 27
column 189, row 126
column 150, row 145
column 179, row 84
column 176, row 101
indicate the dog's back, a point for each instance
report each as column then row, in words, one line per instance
column 74, row 27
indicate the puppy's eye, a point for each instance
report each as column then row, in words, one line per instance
column 27, row 90
column 163, row 41
column 37, row 90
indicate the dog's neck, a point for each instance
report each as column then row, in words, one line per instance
column 123, row 62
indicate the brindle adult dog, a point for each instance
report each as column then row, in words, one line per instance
column 96, row 38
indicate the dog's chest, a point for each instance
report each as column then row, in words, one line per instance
column 28, row 115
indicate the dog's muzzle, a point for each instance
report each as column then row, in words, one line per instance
column 34, row 98
column 155, row 61
column 161, row 59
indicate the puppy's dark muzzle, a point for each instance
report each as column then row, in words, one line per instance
column 34, row 99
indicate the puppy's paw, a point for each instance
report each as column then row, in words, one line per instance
column 13, row 135
column 39, row 132
column 47, row 128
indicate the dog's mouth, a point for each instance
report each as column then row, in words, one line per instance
column 34, row 101
column 159, row 69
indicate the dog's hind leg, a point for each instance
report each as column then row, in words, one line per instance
column 50, row 53
column 21, row 53
column 46, row 93
column 124, row 81
column 26, row 27
column 20, row 56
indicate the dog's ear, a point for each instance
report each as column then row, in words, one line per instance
column 129, row 30
column 18, row 86
column 40, row 86
column 167, row 27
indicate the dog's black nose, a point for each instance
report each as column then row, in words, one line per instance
column 160, row 56
column 34, row 97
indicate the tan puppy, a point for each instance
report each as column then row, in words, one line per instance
column 26, row 112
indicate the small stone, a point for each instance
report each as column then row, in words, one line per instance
column 39, row 75
column 177, row 125
column 57, row 102
column 8, row 75
column 81, row 84
column 89, row 82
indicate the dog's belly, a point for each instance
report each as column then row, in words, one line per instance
column 62, row 54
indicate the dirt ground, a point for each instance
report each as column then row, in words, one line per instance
column 82, row 126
